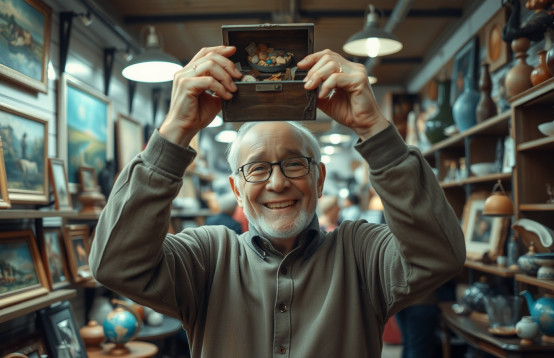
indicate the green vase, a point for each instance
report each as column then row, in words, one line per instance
column 435, row 126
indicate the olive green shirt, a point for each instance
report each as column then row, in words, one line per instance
column 239, row 297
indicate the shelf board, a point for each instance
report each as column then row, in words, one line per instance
column 547, row 284
column 536, row 207
column 35, row 214
column 34, row 304
column 474, row 179
column 490, row 268
column 497, row 125
column 545, row 143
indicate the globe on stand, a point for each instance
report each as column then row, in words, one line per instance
column 121, row 326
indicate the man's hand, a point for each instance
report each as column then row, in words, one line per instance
column 345, row 94
column 197, row 92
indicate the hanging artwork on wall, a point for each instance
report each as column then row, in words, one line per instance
column 22, row 270
column 497, row 50
column 25, row 43
column 129, row 139
column 25, row 146
column 85, row 128
column 60, row 185
column 77, row 247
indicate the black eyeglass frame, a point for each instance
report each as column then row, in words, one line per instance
column 271, row 165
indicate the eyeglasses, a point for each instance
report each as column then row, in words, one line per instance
column 257, row 172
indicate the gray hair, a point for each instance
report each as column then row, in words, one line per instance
column 308, row 138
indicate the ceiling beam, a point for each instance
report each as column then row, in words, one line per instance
column 266, row 16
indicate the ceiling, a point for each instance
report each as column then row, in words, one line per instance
column 188, row 25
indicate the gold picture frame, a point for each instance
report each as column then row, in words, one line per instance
column 77, row 248
column 87, row 179
column 27, row 52
column 483, row 234
column 54, row 257
column 23, row 271
column 60, row 185
column 5, row 202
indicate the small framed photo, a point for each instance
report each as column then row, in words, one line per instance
column 4, row 196
column 54, row 257
column 509, row 155
column 465, row 64
column 483, row 234
column 87, row 179
column 32, row 345
column 77, row 247
column 129, row 139
column 60, row 185
column 23, row 274
column 58, row 322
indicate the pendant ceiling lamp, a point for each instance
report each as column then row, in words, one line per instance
column 498, row 203
column 372, row 41
column 152, row 64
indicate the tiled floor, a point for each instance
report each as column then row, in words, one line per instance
column 391, row 351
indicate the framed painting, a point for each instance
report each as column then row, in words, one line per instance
column 483, row 234
column 25, row 147
column 129, row 139
column 58, row 322
column 23, row 274
column 25, row 43
column 60, row 185
column 497, row 50
column 4, row 197
column 31, row 345
column 465, row 64
column 54, row 258
column 85, row 128
column 87, row 179
column 77, row 247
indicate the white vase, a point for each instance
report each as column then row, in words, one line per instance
column 527, row 329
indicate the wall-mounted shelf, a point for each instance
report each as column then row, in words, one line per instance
column 34, row 304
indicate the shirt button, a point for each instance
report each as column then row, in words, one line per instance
column 281, row 350
column 284, row 270
column 283, row 308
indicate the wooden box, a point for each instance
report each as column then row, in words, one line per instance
column 281, row 100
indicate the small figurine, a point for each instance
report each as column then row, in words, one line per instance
column 550, row 194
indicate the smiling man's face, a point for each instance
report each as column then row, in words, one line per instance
column 281, row 207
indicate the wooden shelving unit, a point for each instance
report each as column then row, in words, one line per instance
column 35, row 304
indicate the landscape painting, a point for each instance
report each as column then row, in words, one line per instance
column 25, row 42
column 24, row 139
column 86, row 124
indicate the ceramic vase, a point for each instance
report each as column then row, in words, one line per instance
column 518, row 78
column 435, row 126
column 486, row 108
column 540, row 72
column 550, row 60
column 527, row 264
column 464, row 108
column 527, row 330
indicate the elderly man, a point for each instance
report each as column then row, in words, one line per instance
column 284, row 288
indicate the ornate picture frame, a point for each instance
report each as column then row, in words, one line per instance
column 54, row 257
column 4, row 196
column 77, row 248
column 483, row 234
column 26, row 51
column 60, row 326
column 25, row 147
column 60, row 185
column 498, row 51
column 129, row 139
column 85, row 128
column 465, row 64
column 22, row 270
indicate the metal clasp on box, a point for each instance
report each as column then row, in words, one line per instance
column 269, row 87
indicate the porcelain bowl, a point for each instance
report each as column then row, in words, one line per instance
column 546, row 262
column 547, row 128
column 481, row 169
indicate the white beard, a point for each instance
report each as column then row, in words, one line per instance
column 275, row 230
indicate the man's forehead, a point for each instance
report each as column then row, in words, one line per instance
column 267, row 138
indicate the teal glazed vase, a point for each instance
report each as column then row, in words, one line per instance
column 435, row 126
column 465, row 106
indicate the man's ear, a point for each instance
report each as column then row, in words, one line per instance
column 235, row 189
column 321, row 179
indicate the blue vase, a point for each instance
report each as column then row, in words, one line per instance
column 435, row 126
column 464, row 108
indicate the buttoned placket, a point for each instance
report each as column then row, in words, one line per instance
column 282, row 310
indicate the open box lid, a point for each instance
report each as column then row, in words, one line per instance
column 295, row 38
